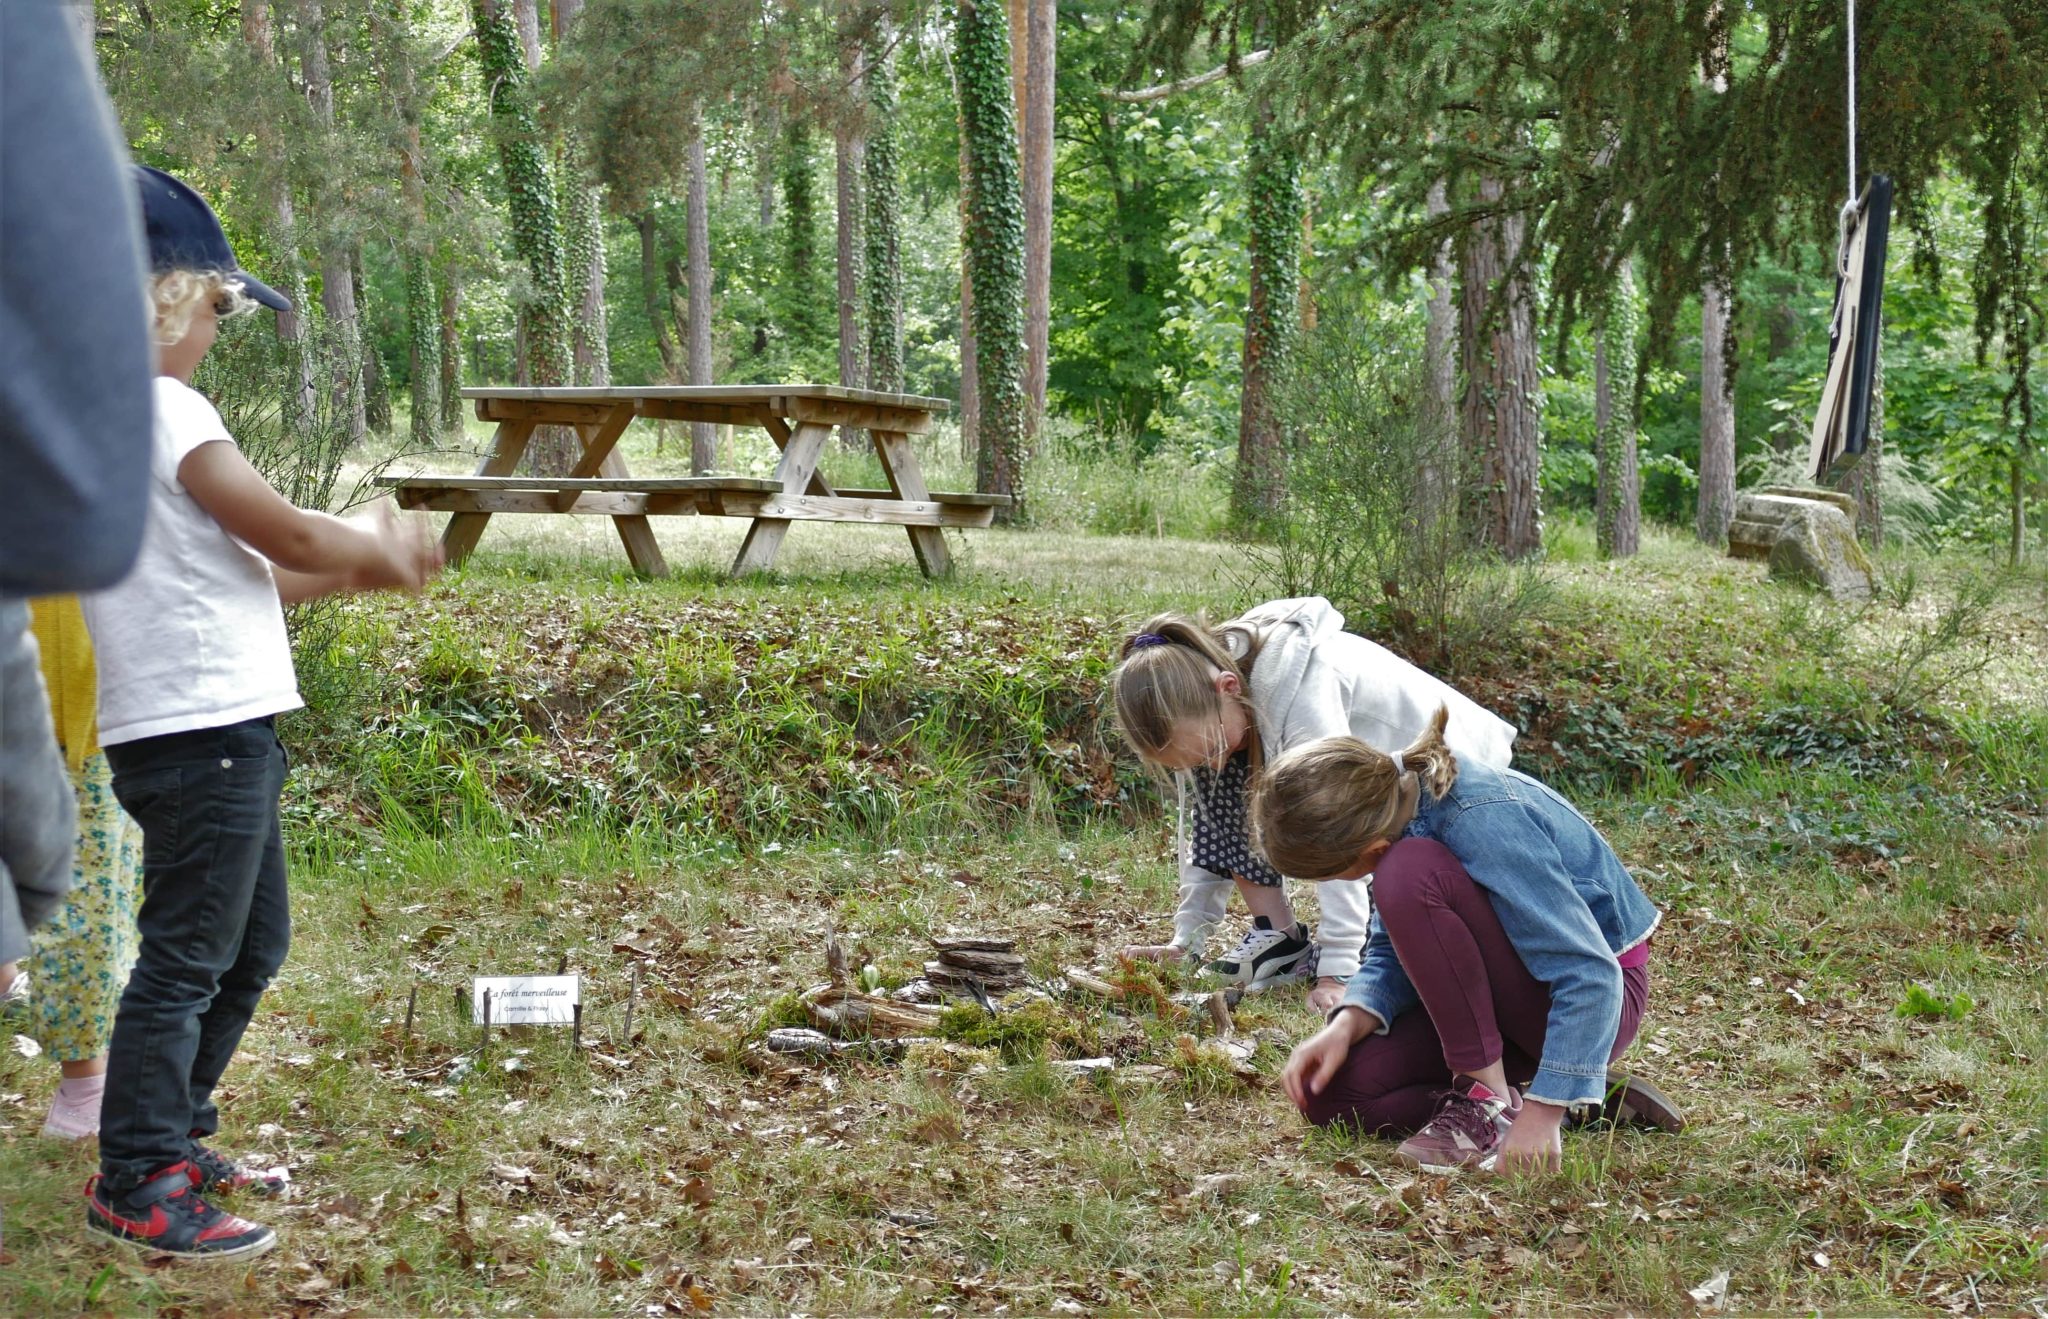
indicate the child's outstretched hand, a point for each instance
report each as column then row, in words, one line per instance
column 408, row 556
column 1155, row 952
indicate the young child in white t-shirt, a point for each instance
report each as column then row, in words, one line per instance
column 194, row 668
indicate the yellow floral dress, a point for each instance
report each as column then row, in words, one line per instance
column 83, row 954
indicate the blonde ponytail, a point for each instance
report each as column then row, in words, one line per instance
column 1166, row 678
column 1429, row 756
column 1316, row 809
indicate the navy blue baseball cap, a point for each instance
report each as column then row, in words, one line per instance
column 184, row 234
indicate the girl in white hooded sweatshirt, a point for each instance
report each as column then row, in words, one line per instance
column 1211, row 705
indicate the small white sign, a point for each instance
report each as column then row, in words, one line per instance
column 527, row 1000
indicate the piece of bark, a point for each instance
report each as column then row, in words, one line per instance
column 975, row 944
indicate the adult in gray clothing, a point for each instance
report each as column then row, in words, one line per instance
column 75, row 368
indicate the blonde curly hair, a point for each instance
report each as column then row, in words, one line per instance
column 177, row 295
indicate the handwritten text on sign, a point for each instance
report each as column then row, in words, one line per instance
column 527, row 1000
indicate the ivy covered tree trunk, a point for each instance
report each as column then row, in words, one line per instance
column 376, row 389
column 970, row 384
column 800, row 235
column 1617, row 491
column 451, row 352
column 1717, row 422
column 337, row 253
column 1503, row 390
column 536, row 237
column 697, row 252
column 995, row 243
column 1271, row 321
column 883, row 228
column 652, row 298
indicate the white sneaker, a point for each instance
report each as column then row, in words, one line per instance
column 1265, row 957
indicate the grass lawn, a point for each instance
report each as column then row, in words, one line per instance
column 697, row 783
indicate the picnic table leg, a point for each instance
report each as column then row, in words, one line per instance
column 636, row 533
column 508, row 446
column 794, row 472
column 601, row 458
column 906, row 478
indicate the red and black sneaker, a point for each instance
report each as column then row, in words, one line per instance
column 214, row 1172
column 165, row 1215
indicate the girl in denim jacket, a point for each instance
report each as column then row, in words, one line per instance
column 1211, row 704
column 1500, row 912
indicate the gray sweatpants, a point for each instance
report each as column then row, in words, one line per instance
column 37, row 825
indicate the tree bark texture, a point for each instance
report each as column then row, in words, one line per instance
column 1503, row 391
column 337, row 256
column 1617, row 497
column 883, row 229
column 1273, row 197
column 536, row 235
column 995, row 245
column 697, row 253
column 526, row 13
column 1717, row 422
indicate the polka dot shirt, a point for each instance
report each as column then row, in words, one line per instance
column 1222, row 838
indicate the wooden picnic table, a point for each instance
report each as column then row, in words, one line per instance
column 799, row 418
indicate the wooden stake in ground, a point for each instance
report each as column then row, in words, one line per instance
column 632, row 1002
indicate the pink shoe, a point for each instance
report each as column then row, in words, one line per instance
column 1470, row 1123
column 74, row 1117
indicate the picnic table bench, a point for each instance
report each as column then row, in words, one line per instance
column 799, row 418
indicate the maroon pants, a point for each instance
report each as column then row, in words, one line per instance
column 1479, row 1002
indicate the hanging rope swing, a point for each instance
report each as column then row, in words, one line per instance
column 1841, row 425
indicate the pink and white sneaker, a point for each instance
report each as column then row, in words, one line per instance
column 75, row 1111
column 1471, row 1122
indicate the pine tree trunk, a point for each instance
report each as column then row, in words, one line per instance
column 583, row 241
column 526, row 13
column 883, row 230
column 1273, row 198
column 451, row 353
column 995, row 245
column 536, row 235
column 337, row 285
column 1717, row 422
column 1440, row 352
column 1617, row 501
column 849, row 160
column 765, row 172
column 294, row 327
column 1040, row 39
column 423, row 341
column 1503, row 392
column 697, row 245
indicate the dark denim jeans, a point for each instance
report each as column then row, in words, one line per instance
column 215, row 927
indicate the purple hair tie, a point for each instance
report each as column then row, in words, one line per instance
column 1144, row 639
